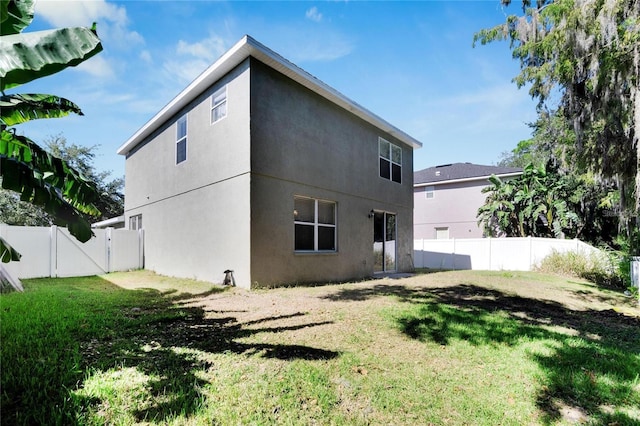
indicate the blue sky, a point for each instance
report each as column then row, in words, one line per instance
column 411, row 63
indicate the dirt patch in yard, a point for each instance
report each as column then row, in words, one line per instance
column 525, row 294
column 319, row 315
column 347, row 328
column 485, row 288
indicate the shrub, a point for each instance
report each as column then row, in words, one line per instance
column 602, row 268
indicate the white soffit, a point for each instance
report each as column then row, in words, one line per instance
column 245, row 48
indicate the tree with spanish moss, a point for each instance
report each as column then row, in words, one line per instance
column 592, row 198
column 588, row 52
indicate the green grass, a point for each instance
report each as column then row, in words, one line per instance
column 443, row 348
column 47, row 334
column 597, row 371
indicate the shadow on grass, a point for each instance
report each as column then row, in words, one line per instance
column 187, row 328
column 609, row 295
column 139, row 329
column 593, row 366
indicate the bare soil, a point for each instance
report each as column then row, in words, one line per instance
column 538, row 297
column 319, row 322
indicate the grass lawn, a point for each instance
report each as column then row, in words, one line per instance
column 455, row 348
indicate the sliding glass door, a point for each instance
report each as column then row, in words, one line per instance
column 384, row 242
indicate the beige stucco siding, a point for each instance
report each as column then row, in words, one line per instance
column 196, row 213
column 275, row 261
column 300, row 136
column 453, row 206
column 214, row 151
column 303, row 145
column 199, row 235
column 230, row 204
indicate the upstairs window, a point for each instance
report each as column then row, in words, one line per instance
column 315, row 225
column 181, row 140
column 429, row 192
column 219, row 105
column 390, row 161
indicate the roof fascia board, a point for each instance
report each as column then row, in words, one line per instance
column 243, row 49
column 443, row 182
column 106, row 222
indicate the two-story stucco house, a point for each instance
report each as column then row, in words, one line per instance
column 260, row 168
column 447, row 199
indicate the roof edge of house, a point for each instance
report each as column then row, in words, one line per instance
column 249, row 47
column 468, row 179
column 107, row 222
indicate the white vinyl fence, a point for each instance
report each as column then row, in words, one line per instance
column 53, row 252
column 493, row 254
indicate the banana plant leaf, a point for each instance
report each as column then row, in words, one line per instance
column 28, row 56
column 72, row 186
column 17, row 109
column 15, row 15
column 32, row 187
column 8, row 253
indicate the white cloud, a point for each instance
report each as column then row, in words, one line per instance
column 145, row 55
column 314, row 15
column 209, row 49
column 97, row 66
column 185, row 71
column 315, row 46
column 64, row 13
column 193, row 58
column 112, row 19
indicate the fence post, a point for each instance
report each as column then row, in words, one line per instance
column 634, row 270
column 53, row 251
column 107, row 242
column 141, row 248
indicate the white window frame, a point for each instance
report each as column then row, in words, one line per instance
column 219, row 104
column 430, row 192
column 316, row 225
column 442, row 229
column 389, row 158
column 180, row 139
column 135, row 222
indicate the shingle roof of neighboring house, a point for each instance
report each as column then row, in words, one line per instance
column 460, row 172
column 248, row 47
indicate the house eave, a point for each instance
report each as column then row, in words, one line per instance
column 108, row 222
column 469, row 179
column 248, row 47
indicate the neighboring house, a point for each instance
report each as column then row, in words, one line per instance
column 260, row 168
column 447, row 199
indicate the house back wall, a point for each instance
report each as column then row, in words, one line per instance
column 304, row 145
column 298, row 135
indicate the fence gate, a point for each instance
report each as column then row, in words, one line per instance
column 74, row 258
column 53, row 252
